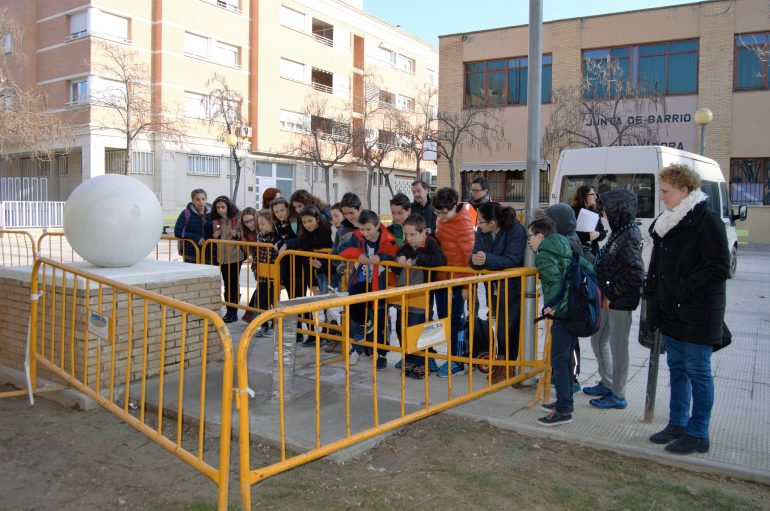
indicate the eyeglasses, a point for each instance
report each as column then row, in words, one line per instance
column 476, row 190
column 592, row 193
column 248, row 220
column 529, row 236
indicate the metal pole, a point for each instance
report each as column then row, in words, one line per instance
column 703, row 140
column 532, row 175
column 652, row 379
column 231, row 174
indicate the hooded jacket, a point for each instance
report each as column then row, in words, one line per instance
column 504, row 252
column 564, row 218
column 686, row 281
column 619, row 265
column 356, row 245
column 457, row 236
column 552, row 259
column 427, row 212
column 427, row 255
column 194, row 226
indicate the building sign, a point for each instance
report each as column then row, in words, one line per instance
column 675, row 127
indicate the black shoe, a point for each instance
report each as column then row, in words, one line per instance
column 548, row 406
column 230, row 317
column 668, row 434
column 687, row 444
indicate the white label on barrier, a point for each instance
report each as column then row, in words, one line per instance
column 98, row 325
column 432, row 333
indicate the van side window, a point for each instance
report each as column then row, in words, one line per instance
column 643, row 185
column 711, row 188
column 725, row 200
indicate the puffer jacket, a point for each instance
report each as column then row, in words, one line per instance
column 619, row 264
column 192, row 225
column 457, row 236
column 552, row 259
column 686, row 281
column 356, row 245
column 564, row 218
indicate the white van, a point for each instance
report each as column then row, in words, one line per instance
column 636, row 168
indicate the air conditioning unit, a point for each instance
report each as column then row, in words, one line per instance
column 76, row 35
column 244, row 131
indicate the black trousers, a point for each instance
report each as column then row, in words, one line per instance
column 230, row 277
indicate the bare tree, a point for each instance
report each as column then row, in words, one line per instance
column 605, row 109
column 325, row 140
column 472, row 128
column 224, row 106
column 415, row 127
column 26, row 121
column 126, row 93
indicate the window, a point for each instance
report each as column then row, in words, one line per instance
column 195, row 105
column 78, row 24
column 7, row 43
column 79, row 91
column 44, row 168
column 404, row 63
column 750, row 181
column 110, row 92
column 115, row 27
column 202, row 165
column 226, row 54
column 293, row 121
column 142, row 162
column 405, row 103
column 292, row 19
column 751, row 56
column 62, row 165
column 292, row 70
column 196, row 45
column 387, row 99
column 330, row 129
column 431, row 77
column 503, row 82
column 666, row 68
column 643, row 185
column 387, row 56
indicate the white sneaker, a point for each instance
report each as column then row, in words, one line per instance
column 353, row 358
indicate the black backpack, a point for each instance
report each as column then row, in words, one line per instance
column 584, row 300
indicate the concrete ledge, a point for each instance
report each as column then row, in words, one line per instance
column 67, row 397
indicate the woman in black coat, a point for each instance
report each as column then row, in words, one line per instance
column 686, row 290
column 585, row 198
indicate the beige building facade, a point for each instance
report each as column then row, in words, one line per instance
column 279, row 55
column 710, row 54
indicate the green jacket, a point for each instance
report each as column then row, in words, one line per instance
column 552, row 259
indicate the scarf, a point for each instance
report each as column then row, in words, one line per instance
column 670, row 219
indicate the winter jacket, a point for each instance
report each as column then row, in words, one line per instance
column 316, row 240
column 590, row 247
column 564, row 218
column 287, row 233
column 427, row 212
column 191, row 225
column 552, row 259
column 228, row 230
column 504, row 251
column 686, row 281
column 457, row 236
column 344, row 228
column 264, row 255
column 427, row 255
column 478, row 203
column 398, row 233
column 619, row 265
column 355, row 246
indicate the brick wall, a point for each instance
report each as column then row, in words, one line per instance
column 715, row 78
column 14, row 301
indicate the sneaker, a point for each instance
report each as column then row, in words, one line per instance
column 687, row 444
column 309, row 342
column 611, row 401
column 261, row 331
column 332, row 346
column 548, row 407
column 598, row 390
column 369, row 326
column 668, row 434
column 575, row 387
column 555, row 418
column 248, row 317
column 457, row 367
column 432, row 365
column 382, row 363
column 399, row 364
column 353, row 358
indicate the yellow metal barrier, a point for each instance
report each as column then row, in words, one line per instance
column 124, row 347
column 17, row 248
column 360, row 408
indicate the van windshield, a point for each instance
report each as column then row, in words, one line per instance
column 643, row 185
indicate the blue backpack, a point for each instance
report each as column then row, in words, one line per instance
column 584, row 300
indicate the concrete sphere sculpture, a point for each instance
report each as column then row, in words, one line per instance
column 112, row 221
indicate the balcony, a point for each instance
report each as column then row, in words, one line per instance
column 323, row 33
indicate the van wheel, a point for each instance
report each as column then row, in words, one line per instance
column 733, row 261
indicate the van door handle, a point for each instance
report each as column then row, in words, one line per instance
column 638, row 222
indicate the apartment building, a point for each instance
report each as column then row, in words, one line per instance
column 279, row 55
column 710, row 54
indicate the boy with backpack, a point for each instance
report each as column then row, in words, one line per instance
column 553, row 257
column 620, row 272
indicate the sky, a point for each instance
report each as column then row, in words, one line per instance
column 428, row 19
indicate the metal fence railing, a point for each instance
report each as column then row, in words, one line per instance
column 31, row 214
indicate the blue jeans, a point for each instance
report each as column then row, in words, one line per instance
column 689, row 365
column 562, row 346
column 456, row 318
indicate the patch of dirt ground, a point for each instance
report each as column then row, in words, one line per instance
column 54, row 458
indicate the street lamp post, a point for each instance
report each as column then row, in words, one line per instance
column 703, row 117
column 231, row 140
